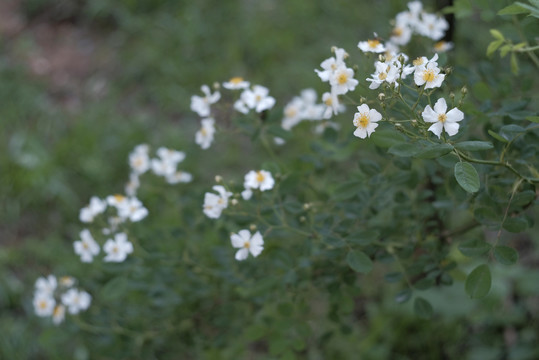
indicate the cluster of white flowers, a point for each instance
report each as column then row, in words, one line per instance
column 201, row 105
column 256, row 98
column 214, row 204
column 53, row 296
column 305, row 107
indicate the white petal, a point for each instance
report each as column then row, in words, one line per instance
column 429, row 115
column 242, row 254
column 360, row 133
column 237, row 241
column 451, row 128
column 441, row 106
column 454, row 115
column 436, row 128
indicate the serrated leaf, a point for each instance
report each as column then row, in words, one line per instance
column 497, row 136
column 422, row 308
column 434, row 151
column 513, row 9
column 467, row 177
column 404, row 150
column 515, row 225
column 474, row 145
column 493, row 46
column 505, row 255
column 359, row 261
column 496, row 34
column 478, row 282
column 474, row 247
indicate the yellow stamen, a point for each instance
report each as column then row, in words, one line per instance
column 342, row 79
column 363, row 120
column 428, row 76
column 373, row 43
column 236, row 80
column 382, row 76
column 119, row 198
column 246, row 245
column 442, row 118
column 259, row 176
column 397, row 31
column 328, row 101
column 418, row 61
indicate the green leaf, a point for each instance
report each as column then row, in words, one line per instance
column 422, row 308
column 497, row 137
column 474, row 145
column 404, row 150
column 504, row 50
column 505, row 255
column 434, row 151
column 474, row 247
column 523, row 198
column 515, row 225
column 514, row 64
column 115, row 288
column 387, row 138
column 534, row 119
column 497, row 34
column 510, row 131
column 403, row 296
column 513, row 9
column 347, row 190
column 359, row 261
column 478, row 282
column 486, row 216
column 393, row 277
column 493, row 46
column 363, row 237
column 467, row 177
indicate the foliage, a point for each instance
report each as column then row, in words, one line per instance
column 397, row 246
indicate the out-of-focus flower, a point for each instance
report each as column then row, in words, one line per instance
column 118, row 248
column 247, row 244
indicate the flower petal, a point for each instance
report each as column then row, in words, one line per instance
column 454, row 115
column 436, row 128
column 441, row 106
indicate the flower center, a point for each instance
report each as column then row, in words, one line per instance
column 57, row 311
column 363, row 120
column 373, row 43
column 342, row 79
column 439, row 45
column 397, row 31
column 119, row 198
column 418, row 61
column 203, row 132
column 247, row 245
column 85, row 245
column 42, row 304
column 328, row 101
column 258, row 98
column 442, row 118
column 382, row 76
column 236, row 80
column 259, row 177
column 428, row 76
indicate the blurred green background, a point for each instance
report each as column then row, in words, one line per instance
column 83, row 82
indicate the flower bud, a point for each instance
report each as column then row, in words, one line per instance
column 362, row 100
column 302, row 219
column 218, row 178
column 252, row 227
column 382, row 58
column 234, row 202
column 464, row 90
column 452, row 96
column 448, row 70
column 216, row 85
column 381, row 96
column 306, row 206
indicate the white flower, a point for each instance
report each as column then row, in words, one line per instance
column 179, row 177
column 385, row 72
column 43, row 304
column 66, row 281
column 118, row 201
column 261, row 179
column 167, row 161
column 332, row 105
column 132, row 185
column 204, row 137
column 214, row 204
column 139, row 159
column 401, row 34
column 432, row 26
column 442, row 120
column 236, row 83
column 372, row 45
column 300, row 108
column 330, row 65
column 132, row 209
column 58, row 314
column 428, row 75
column 443, row 46
column 76, row 300
column 366, row 121
column 247, row 244
column 201, row 104
column 96, row 207
column 46, row 286
column 256, row 98
column 86, row 247
column 247, row 194
column 343, row 80
column 423, row 61
column 117, row 249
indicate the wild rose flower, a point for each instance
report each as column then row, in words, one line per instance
column 118, row 248
column 86, row 247
column 204, row 137
column 247, row 244
column 201, row 104
column 442, row 120
column 366, row 121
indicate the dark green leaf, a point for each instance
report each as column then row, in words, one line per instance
column 434, row 151
column 115, row 288
column 422, row 308
column 534, row 119
column 467, row 177
column 523, row 198
column 387, row 138
column 404, row 150
column 487, row 216
column 474, row 145
column 496, row 136
column 513, row 9
column 403, row 296
column 505, row 255
column 478, row 282
column 424, row 284
column 359, row 261
column 348, row 190
column 515, row 225
column 393, row 277
column 510, row 131
column 364, row 237
column 474, row 247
